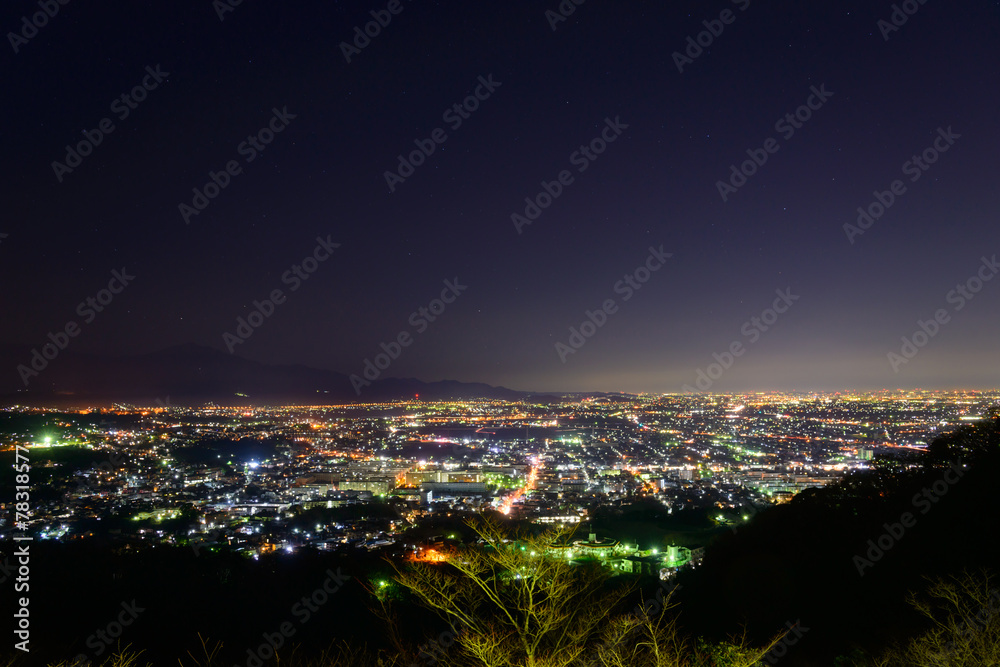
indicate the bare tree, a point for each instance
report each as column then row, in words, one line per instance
column 513, row 602
column 964, row 612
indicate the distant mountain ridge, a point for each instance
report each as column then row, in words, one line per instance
column 193, row 374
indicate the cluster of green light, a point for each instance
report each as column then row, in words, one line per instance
column 157, row 515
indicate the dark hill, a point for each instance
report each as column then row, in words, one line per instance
column 193, row 374
column 809, row 560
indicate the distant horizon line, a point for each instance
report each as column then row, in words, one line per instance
column 160, row 404
column 11, row 399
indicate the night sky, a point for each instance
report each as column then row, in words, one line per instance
column 609, row 68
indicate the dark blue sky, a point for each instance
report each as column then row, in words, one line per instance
column 656, row 184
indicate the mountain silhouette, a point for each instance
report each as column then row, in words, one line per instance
column 192, row 374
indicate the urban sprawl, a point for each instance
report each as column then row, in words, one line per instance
column 243, row 478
